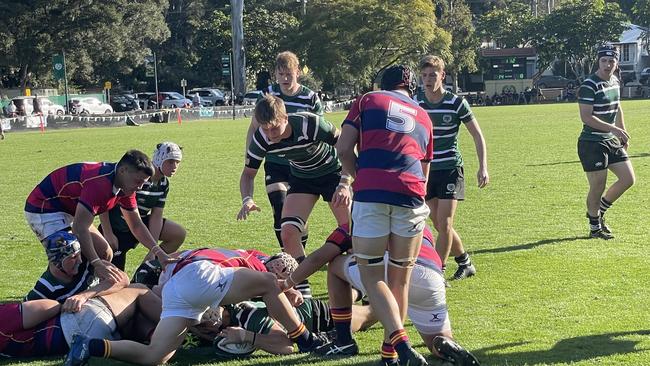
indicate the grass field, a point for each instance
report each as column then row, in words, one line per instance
column 543, row 295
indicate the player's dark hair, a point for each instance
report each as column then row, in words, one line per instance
column 137, row 160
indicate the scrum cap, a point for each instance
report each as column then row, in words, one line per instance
column 281, row 264
column 165, row 151
column 396, row 76
column 60, row 246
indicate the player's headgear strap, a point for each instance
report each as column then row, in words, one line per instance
column 60, row 246
column 165, row 151
column 281, row 264
column 396, row 76
column 608, row 50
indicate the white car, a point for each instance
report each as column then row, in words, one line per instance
column 91, row 105
column 47, row 106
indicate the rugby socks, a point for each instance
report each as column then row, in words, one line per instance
column 302, row 337
column 303, row 287
column 604, row 205
column 342, row 323
column 99, row 348
column 463, row 260
column 388, row 354
column 594, row 223
column 277, row 201
column 400, row 342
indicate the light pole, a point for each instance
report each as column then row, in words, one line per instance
column 304, row 6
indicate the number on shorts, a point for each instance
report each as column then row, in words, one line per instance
column 401, row 118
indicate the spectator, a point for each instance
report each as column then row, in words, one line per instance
column 37, row 106
column 11, row 109
column 196, row 100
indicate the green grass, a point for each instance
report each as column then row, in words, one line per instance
column 544, row 295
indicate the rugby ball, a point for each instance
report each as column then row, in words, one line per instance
column 232, row 350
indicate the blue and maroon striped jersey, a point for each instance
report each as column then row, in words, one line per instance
column 91, row 184
column 395, row 137
column 45, row 339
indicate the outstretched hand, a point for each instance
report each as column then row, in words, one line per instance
column 246, row 208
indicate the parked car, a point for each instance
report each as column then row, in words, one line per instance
column 171, row 100
column 145, row 101
column 552, row 81
column 25, row 106
column 251, row 97
column 211, row 95
column 124, row 103
column 644, row 78
column 89, row 105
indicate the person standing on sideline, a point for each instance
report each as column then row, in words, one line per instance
column 394, row 140
column 446, row 186
column 603, row 143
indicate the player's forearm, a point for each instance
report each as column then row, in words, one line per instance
column 141, row 232
column 598, row 124
column 247, row 183
column 86, row 242
column 619, row 119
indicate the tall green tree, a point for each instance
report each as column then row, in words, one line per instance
column 346, row 42
column 101, row 39
column 593, row 22
column 507, row 26
column 457, row 21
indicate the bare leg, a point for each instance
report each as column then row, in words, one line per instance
column 167, row 337
column 405, row 250
column 597, row 181
column 443, row 220
column 296, row 205
column 247, row 284
column 626, row 179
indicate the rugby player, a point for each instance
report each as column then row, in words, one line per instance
column 70, row 197
column 305, row 140
column 446, row 185
column 394, row 140
column 151, row 199
column 603, row 143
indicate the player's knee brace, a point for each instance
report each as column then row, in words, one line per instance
column 402, row 262
column 294, row 221
column 276, row 199
column 369, row 260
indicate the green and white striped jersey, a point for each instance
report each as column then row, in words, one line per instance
column 446, row 117
column 306, row 100
column 309, row 150
column 605, row 97
column 151, row 195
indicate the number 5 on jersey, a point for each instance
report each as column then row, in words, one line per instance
column 401, row 118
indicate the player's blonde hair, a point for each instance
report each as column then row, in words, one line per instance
column 287, row 60
column 432, row 61
column 270, row 108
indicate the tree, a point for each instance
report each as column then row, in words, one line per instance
column 346, row 42
column 507, row 26
column 101, row 38
column 593, row 22
column 457, row 20
column 641, row 12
